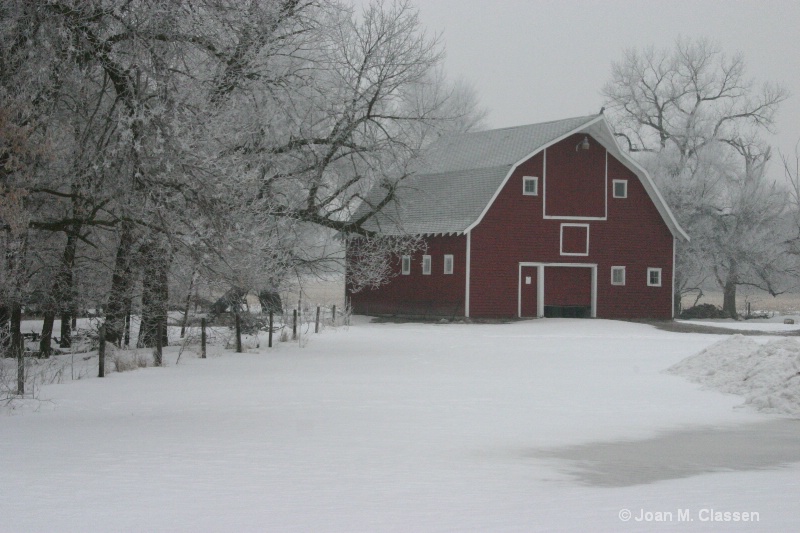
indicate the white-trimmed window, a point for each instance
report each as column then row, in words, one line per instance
column 653, row 277
column 620, row 188
column 448, row 264
column 426, row 265
column 530, row 186
column 406, row 265
column 618, row 275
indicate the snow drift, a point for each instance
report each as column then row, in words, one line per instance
column 767, row 375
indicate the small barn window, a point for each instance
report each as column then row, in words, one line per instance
column 448, row 264
column 653, row 277
column 530, row 186
column 618, row 275
column 620, row 188
column 426, row 265
column 406, row 265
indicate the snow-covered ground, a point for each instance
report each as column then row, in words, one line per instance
column 542, row 425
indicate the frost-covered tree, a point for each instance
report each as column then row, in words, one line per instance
column 694, row 118
column 221, row 141
column 791, row 168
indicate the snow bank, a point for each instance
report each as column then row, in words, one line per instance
column 767, row 375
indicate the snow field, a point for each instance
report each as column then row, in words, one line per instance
column 395, row 427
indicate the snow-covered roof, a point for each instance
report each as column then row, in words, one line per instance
column 456, row 179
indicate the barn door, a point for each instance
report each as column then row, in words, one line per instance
column 567, row 292
column 528, row 291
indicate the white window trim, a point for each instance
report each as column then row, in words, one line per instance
column 614, row 188
column 448, row 262
column 525, row 181
column 426, row 265
column 649, row 271
column 561, row 244
column 618, row 269
column 405, row 265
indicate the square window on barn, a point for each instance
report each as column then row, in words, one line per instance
column 620, row 188
column 618, row 275
column 406, row 265
column 426, row 265
column 448, row 264
column 530, row 186
column 653, row 277
column 575, row 239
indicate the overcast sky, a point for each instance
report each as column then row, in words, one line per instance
column 535, row 60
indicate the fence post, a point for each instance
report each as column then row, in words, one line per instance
column 316, row 323
column 269, row 344
column 158, row 355
column 101, row 352
column 238, row 334
column 203, row 338
column 294, row 325
column 333, row 316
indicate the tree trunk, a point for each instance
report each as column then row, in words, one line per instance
column 729, row 299
column 121, row 285
column 66, row 330
column 45, row 343
column 62, row 293
column 17, row 345
column 188, row 305
column 5, row 337
column 155, row 295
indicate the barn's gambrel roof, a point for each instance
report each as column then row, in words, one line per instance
column 456, row 179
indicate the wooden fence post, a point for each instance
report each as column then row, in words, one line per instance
column 101, row 352
column 238, row 334
column 158, row 358
column 269, row 344
column 203, row 338
column 333, row 316
column 316, row 323
column 294, row 325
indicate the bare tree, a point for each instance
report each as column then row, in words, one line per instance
column 693, row 117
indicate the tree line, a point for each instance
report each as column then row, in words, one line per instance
column 148, row 144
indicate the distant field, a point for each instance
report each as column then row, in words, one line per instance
column 317, row 292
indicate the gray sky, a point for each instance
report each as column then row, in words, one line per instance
column 539, row 60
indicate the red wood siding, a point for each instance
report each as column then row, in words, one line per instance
column 575, row 179
column 437, row 294
column 514, row 230
column 574, row 239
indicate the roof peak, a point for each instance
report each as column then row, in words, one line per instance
column 587, row 118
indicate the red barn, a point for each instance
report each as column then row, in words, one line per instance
column 544, row 220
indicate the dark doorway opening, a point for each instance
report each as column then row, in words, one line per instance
column 567, row 311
